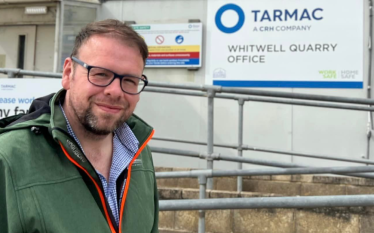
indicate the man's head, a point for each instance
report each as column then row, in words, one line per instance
column 114, row 46
column 112, row 28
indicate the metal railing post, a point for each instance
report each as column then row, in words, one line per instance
column 240, row 143
column 202, row 183
column 10, row 74
column 211, row 94
column 369, row 82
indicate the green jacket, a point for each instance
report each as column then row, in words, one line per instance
column 47, row 184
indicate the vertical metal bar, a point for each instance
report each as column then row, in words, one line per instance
column 60, row 60
column 211, row 94
column 10, row 74
column 240, row 143
column 369, row 135
column 35, row 48
column 57, row 37
column 202, row 183
column 369, row 83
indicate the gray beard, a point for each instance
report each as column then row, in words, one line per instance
column 89, row 121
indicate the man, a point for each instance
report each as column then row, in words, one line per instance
column 79, row 161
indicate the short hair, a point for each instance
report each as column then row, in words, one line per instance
column 113, row 28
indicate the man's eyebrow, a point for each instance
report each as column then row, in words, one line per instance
column 131, row 75
column 128, row 74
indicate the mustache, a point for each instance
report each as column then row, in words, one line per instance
column 109, row 101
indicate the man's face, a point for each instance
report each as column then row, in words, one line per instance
column 100, row 110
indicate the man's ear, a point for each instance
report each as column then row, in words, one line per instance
column 67, row 73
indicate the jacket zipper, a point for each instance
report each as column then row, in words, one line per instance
column 97, row 187
column 103, row 203
column 129, row 178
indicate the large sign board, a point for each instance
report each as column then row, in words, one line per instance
column 16, row 95
column 172, row 45
column 296, row 44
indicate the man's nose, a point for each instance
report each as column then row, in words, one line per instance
column 114, row 89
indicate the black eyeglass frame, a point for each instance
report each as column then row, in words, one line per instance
column 88, row 67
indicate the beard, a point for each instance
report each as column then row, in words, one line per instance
column 99, row 125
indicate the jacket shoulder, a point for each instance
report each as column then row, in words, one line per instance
column 15, row 141
column 34, row 158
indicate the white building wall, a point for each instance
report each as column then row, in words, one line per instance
column 284, row 127
column 38, row 29
column 45, row 44
column 9, row 37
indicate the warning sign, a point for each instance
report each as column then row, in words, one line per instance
column 172, row 45
column 160, row 39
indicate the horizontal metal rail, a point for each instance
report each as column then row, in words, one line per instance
column 259, row 99
column 175, row 92
column 30, row 73
column 268, row 202
column 259, row 149
column 295, row 102
column 240, row 159
column 261, row 172
column 298, row 96
column 255, row 92
column 217, row 89
column 195, row 87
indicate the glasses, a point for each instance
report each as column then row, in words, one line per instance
column 102, row 77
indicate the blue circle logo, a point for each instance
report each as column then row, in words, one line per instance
column 179, row 39
column 222, row 10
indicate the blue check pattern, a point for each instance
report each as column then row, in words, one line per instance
column 125, row 146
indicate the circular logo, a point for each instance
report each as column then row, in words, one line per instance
column 160, row 39
column 222, row 10
column 179, row 39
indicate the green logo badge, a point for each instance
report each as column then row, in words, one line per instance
column 328, row 74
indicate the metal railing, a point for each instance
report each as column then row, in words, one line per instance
column 261, row 149
column 268, row 203
column 261, row 202
column 264, row 202
column 205, row 176
column 212, row 92
column 240, row 160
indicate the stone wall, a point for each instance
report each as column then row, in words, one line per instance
column 318, row 220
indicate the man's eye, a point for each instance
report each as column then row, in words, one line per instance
column 129, row 81
column 101, row 75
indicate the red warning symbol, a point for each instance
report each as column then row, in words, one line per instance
column 160, row 39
